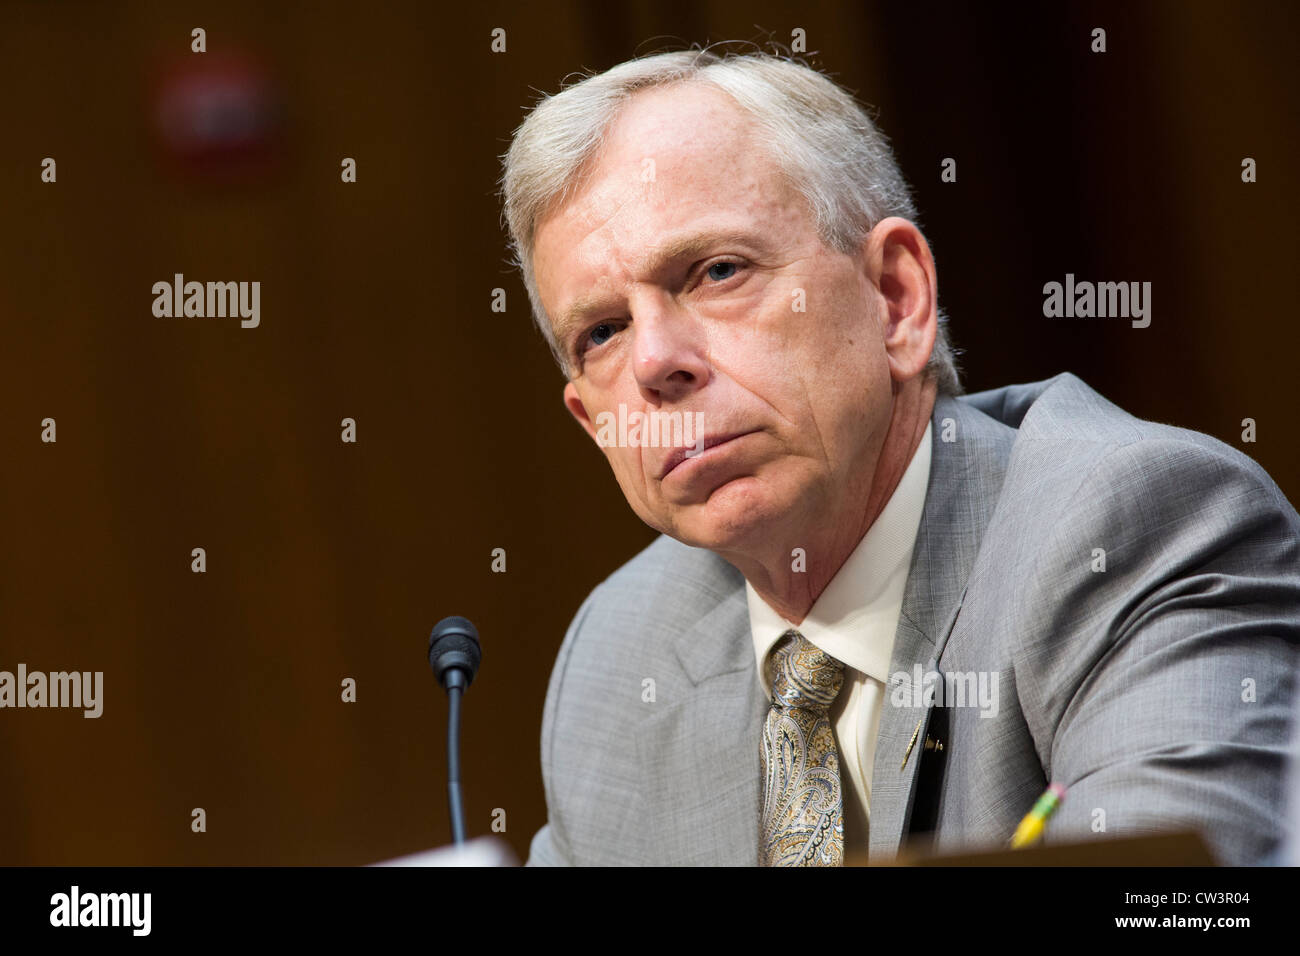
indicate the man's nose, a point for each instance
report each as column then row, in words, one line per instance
column 669, row 351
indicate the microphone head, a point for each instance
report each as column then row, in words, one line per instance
column 454, row 645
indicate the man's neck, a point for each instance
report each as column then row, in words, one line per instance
column 792, row 593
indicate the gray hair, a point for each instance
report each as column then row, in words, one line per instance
column 823, row 140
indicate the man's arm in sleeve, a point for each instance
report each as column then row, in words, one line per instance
column 550, row 845
column 1170, row 703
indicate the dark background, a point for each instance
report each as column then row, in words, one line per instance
column 329, row 560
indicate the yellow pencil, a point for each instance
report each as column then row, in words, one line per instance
column 1035, row 821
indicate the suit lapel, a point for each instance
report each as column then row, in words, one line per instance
column 700, row 754
column 965, row 480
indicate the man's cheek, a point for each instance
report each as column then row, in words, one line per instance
column 627, row 471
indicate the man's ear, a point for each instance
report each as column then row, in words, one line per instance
column 901, row 266
column 579, row 411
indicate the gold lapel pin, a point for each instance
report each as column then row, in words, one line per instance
column 911, row 743
column 931, row 744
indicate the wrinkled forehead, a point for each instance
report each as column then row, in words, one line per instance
column 674, row 156
column 692, row 118
column 669, row 145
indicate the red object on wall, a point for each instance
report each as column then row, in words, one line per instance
column 218, row 117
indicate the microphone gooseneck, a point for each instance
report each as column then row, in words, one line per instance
column 454, row 655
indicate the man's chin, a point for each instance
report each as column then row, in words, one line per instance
column 734, row 518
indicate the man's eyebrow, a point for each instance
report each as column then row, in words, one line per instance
column 694, row 243
column 653, row 263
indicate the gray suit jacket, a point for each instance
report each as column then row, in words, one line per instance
column 1158, row 690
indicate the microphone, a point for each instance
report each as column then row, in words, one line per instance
column 454, row 655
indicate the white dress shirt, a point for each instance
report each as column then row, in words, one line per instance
column 854, row 620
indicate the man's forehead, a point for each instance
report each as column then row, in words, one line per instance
column 674, row 136
column 690, row 114
column 671, row 152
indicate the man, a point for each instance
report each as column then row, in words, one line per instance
column 879, row 611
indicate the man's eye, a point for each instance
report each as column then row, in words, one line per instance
column 727, row 269
column 601, row 333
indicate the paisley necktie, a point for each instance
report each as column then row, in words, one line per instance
column 803, row 806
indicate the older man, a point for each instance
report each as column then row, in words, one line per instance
column 879, row 608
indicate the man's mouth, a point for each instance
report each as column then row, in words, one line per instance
column 680, row 455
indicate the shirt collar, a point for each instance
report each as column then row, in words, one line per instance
column 855, row 617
